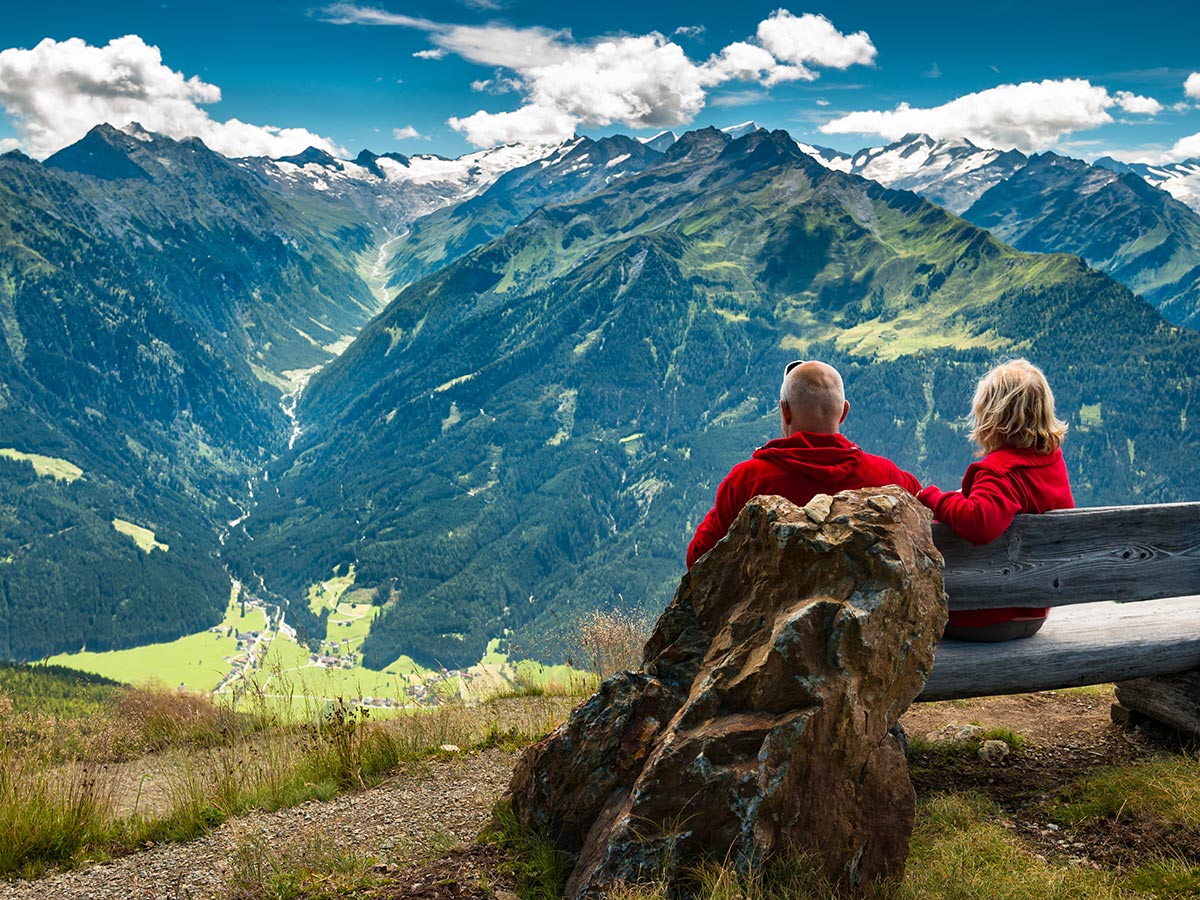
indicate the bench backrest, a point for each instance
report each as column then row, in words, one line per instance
column 1077, row 556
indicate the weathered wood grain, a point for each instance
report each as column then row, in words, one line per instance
column 1088, row 644
column 1078, row 556
column 1173, row 700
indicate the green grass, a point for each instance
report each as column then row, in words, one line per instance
column 1165, row 789
column 143, row 537
column 326, row 594
column 54, row 690
column 197, row 662
column 46, row 466
column 531, row 859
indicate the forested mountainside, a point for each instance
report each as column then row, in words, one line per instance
column 1113, row 216
column 143, row 282
column 268, row 283
column 155, row 298
column 575, row 169
column 1140, row 235
column 538, row 426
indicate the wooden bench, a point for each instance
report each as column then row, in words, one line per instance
column 1124, row 584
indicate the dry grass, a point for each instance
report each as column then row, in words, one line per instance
column 308, row 866
column 611, row 641
column 57, row 798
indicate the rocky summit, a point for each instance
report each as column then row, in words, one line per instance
column 760, row 723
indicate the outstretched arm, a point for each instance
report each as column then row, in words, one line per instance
column 984, row 515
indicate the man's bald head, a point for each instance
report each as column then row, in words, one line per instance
column 812, row 398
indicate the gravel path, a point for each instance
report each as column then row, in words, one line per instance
column 416, row 812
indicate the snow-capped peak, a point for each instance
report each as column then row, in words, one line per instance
column 954, row 173
column 135, row 130
column 742, row 129
column 661, row 141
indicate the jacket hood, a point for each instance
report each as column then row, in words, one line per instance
column 821, row 457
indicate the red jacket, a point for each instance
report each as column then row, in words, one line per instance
column 1002, row 484
column 798, row 468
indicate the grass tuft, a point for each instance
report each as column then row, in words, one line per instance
column 532, row 860
column 1167, row 789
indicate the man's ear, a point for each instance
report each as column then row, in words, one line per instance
column 786, row 412
column 845, row 411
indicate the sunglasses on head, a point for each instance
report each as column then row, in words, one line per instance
column 792, row 365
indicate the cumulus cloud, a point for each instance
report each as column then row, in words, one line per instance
column 407, row 133
column 7, row 144
column 1028, row 116
column 1183, row 149
column 642, row 81
column 692, row 31
column 1132, row 103
column 529, row 123
column 435, row 53
column 811, row 40
column 1191, row 87
column 56, row 92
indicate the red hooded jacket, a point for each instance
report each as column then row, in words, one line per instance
column 994, row 490
column 798, row 468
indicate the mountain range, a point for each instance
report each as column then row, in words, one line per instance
column 580, row 340
column 535, row 427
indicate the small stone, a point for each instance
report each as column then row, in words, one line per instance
column 953, row 733
column 451, row 748
column 818, row 508
column 883, row 504
column 993, row 751
column 506, row 895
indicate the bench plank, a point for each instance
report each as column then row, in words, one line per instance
column 1086, row 644
column 1171, row 699
column 1077, row 556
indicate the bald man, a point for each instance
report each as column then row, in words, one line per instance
column 811, row 458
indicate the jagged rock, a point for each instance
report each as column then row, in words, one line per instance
column 759, row 723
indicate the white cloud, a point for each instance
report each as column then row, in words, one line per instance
column 1183, row 149
column 7, row 144
column 500, row 45
column 741, row 61
column 1191, row 87
column 821, row 101
column 498, row 84
column 1028, row 116
column 1132, row 103
column 812, row 40
column 351, row 14
column 436, row 53
column 692, row 31
column 407, row 133
column 56, row 92
column 642, row 81
column 529, row 123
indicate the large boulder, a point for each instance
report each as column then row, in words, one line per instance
column 761, row 720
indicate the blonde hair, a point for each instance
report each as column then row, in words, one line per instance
column 1014, row 407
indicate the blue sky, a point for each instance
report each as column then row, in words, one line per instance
column 272, row 77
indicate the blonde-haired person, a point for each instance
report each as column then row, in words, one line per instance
column 1021, row 471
